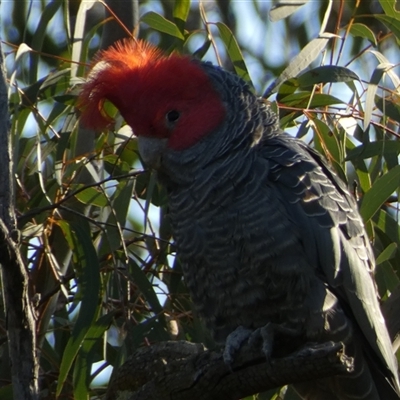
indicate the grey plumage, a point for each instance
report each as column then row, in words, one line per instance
column 267, row 232
column 269, row 237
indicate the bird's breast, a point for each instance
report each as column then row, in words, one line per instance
column 242, row 257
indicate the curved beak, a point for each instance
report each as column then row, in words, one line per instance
column 151, row 150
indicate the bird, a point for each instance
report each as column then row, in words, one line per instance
column 269, row 237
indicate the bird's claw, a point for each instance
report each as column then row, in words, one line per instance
column 260, row 337
column 234, row 342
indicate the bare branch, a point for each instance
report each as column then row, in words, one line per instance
column 185, row 371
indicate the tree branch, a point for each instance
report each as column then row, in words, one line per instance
column 186, row 371
column 18, row 309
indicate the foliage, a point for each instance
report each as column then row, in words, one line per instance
column 94, row 225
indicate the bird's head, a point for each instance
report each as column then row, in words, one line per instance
column 165, row 99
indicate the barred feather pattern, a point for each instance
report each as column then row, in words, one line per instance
column 267, row 232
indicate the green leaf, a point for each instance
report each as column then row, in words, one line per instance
column 307, row 55
column 390, row 67
column 93, row 196
column 152, row 329
column 379, row 71
column 361, row 30
column 387, row 253
column 386, row 278
column 202, row 50
column 23, row 49
column 58, row 111
column 31, row 93
column 393, row 24
column 360, row 167
column 288, row 87
column 122, row 199
column 287, row 120
column 380, row 191
column 327, row 140
column 326, row 74
column 120, row 202
column 389, row 7
column 388, row 107
column 87, row 355
column 78, row 45
column 128, row 152
column 285, row 8
column 145, row 286
column 234, row 51
column 386, row 223
column 181, row 12
column 31, row 230
column 39, row 35
column 88, row 277
column 161, row 24
column 302, row 100
column 372, row 149
column 115, row 165
column 56, row 82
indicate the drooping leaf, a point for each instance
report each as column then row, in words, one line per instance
column 92, row 195
column 392, row 23
column 326, row 74
column 88, row 276
column 234, row 51
column 287, row 88
column 307, row 55
column 181, row 12
column 327, row 141
column 306, row 99
column 285, row 8
column 379, row 71
column 145, row 286
column 389, row 7
column 372, row 149
column 159, row 23
column 361, row 30
column 388, row 107
column 39, row 35
column 387, row 224
column 387, row 253
column 390, row 67
column 120, row 202
column 380, row 191
column 77, row 53
column 115, row 165
column 86, row 356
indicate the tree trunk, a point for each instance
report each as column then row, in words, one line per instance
column 20, row 320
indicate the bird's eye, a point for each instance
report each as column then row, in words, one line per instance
column 172, row 116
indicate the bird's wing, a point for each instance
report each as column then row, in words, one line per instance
column 333, row 234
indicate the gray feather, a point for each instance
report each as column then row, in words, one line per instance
column 267, row 232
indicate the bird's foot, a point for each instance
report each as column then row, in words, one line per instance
column 234, row 342
column 258, row 338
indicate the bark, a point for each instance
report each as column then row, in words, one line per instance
column 186, row 371
column 20, row 320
